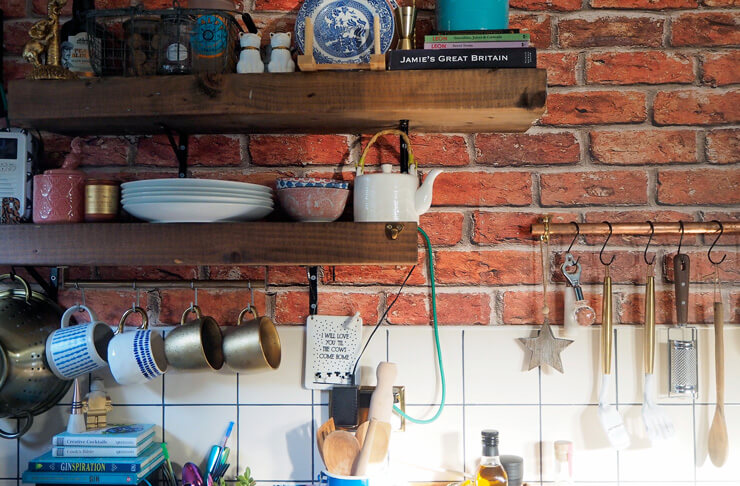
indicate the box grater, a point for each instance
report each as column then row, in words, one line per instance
column 682, row 339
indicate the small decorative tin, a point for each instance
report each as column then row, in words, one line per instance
column 101, row 200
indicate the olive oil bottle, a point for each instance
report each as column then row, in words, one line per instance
column 491, row 472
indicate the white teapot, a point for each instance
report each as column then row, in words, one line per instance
column 390, row 197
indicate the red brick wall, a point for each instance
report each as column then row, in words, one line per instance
column 642, row 123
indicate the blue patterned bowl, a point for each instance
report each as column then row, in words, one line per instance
column 289, row 182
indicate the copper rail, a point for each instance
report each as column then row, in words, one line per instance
column 708, row 227
column 163, row 284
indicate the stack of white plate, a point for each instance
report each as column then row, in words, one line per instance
column 195, row 200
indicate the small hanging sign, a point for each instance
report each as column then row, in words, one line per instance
column 332, row 347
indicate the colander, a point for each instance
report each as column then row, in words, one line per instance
column 27, row 385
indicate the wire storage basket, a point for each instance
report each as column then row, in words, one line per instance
column 138, row 42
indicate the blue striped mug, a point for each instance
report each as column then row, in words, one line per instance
column 73, row 351
column 136, row 357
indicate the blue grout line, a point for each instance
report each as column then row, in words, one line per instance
column 693, row 434
column 539, row 411
column 464, row 434
column 238, row 424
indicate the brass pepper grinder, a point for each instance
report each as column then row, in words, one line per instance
column 405, row 25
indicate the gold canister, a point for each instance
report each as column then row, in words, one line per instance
column 101, row 200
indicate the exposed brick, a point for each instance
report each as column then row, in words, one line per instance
column 172, row 272
column 704, row 186
column 611, row 31
column 706, row 29
column 409, row 309
column 377, row 274
column 424, row 26
column 291, row 307
column 696, row 107
column 701, row 269
column 147, row 4
column 39, row 7
column 267, row 23
column 636, row 147
column 262, row 178
column 108, row 305
column 483, row 189
column 721, row 3
column 595, row 107
column 721, row 68
column 443, row 229
column 223, row 305
column 14, row 8
column 298, row 149
column 557, row 5
column 15, row 69
column 204, row 150
column 727, row 239
column 288, row 275
column 104, row 151
column 628, row 267
column 561, row 67
column 617, row 187
column 428, row 149
column 277, row 5
column 505, row 267
column 639, row 215
column 644, row 4
column 525, row 307
column 537, row 25
column 506, row 149
column 452, row 309
column 15, row 36
column 56, row 147
column 723, row 146
column 492, row 228
column 631, row 309
column 649, row 67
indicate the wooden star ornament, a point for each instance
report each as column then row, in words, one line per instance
column 545, row 348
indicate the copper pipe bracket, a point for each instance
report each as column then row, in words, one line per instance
column 392, row 230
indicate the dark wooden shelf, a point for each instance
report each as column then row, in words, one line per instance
column 481, row 100
column 257, row 243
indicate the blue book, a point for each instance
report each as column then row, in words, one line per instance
column 49, row 463
column 111, row 436
column 131, row 478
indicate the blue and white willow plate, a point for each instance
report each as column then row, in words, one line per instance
column 343, row 29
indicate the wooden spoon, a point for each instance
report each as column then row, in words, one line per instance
column 380, row 443
column 340, row 452
column 718, row 441
column 321, row 434
column 363, row 459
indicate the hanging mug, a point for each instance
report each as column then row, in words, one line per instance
column 253, row 345
column 196, row 344
column 136, row 357
column 73, row 351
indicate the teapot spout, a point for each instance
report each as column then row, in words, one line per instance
column 423, row 198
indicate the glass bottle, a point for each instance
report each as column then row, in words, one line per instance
column 491, row 472
column 563, row 463
column 75, row 41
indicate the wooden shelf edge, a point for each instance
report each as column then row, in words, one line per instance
column 463, row 101
column 255, row 243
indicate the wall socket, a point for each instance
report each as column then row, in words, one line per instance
column 364, row 394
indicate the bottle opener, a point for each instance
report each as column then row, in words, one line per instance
column 584, row 313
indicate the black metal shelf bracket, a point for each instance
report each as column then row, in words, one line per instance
column 404, row 159
column 313, row 290
column 180, row 148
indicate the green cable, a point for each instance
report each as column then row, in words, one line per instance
column 436, row 340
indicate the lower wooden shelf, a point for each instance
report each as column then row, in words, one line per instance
column 257, row 243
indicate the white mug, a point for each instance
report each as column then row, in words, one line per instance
column 136, row 357
column 73, row 351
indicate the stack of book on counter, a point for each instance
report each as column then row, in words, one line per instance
column 468, row 50
column 117, row 454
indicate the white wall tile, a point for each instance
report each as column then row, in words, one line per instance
column 191, row 431
column 5, row 482
column 276, row 442
column 284, row 385
column 376, row 352
column 594, row 459
column 147, row 393
column 707, row 367
column 519, row 434
column 183, row 387
column 669, row 460
column 320, row 415
column 413, row 349
column 122, row 414
column 581, row 380
column 37, row 440
column 436, row 445
column 630, row 367
column 495, row 366
column 705, row 470
column 9, row 450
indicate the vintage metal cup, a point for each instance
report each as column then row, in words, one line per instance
column 253, row 345
column 136, row 357
column 73, row 351
column 196, row 345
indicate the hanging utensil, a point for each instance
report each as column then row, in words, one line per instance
column 718, row 440
column 582, row 312
column 682, row 339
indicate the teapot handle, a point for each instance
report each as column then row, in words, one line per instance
column 360, row 166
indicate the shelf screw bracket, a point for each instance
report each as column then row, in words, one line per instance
column 181, row 150
column 404, row 152
column 392, row 230
column 313, row 290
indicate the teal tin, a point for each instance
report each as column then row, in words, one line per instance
column 472, row 14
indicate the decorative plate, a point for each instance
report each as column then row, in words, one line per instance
column 343, row 29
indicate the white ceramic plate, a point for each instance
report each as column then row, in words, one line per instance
column 194, row 212
column 195, row 191
column 199, row 199
column 188, row 183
